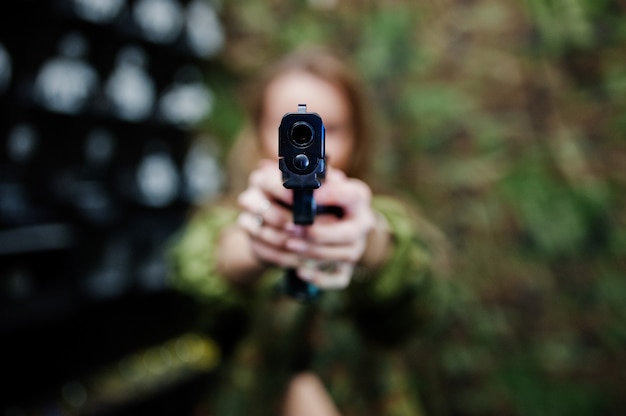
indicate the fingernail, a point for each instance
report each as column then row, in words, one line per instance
column 295, row 230
column 297, row 245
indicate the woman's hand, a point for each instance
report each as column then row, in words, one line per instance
column 266, row 218
column 332, row 246
column 324, row 253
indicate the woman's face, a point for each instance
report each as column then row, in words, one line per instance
column 284, row 94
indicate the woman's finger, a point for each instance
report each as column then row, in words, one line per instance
column 350, row 253
column 269, row 180
column 343, row 231
column 267, row 211
column 326, row 275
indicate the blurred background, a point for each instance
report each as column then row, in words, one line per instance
column 505, row 120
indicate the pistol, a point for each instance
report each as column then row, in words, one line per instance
column 302, row 161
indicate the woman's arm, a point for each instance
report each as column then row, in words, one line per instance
column 235, row 259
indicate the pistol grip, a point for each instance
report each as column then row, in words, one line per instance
column 298, row 289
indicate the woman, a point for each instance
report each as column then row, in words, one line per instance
column 343, row 353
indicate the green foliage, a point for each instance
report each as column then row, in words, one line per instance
column 556, row 219
column 508, row 119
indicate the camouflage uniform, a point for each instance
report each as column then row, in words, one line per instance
column 353, row 339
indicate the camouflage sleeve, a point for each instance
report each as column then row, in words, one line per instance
column 193, row 258
column 411, row 259
column 404, row 294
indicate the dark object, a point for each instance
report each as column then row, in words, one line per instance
column 95, row 180
column 302, row 162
